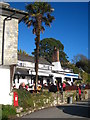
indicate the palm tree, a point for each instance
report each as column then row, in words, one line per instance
column 38, row 13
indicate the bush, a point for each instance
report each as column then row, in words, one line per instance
column 31, row 100
column 8, row 111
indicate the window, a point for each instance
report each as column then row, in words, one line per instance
column 23, row 77
column 23, row 64
column 14, row 78
column 48, row 67
column 51, row 68
column 20, row 64
column 18, row 79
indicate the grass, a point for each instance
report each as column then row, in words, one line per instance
column 8, row 111
column 25, row 100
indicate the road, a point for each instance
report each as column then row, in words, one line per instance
column 76, row 110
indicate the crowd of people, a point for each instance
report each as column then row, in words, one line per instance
column 60, row 87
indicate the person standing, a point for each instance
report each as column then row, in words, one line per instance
column 79, row 91
column 64, row 86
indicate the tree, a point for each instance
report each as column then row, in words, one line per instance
column 78, row 58
column 47, row 47
column 23, row 52
column 38, row 13
column 82, row 63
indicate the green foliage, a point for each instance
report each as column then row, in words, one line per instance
column 73, row 67
column 36, row 11
column 78, row 58
column 83, row 65
column 82, row 62
column 39, row 15
column 47, row 46
column 8, row 111
column 24, row 99
column 27, row 99
column 23, row 52
column 88, row 80
column 85, row 77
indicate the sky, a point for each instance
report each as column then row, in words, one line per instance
column 70, row 27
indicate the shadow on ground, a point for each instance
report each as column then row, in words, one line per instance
column 81, row 110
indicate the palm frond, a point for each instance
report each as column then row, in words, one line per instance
column 42, row 29
column 34, row 11
column 34, row 30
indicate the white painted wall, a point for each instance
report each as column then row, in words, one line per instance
column 5, row 97
column 26, row 64
column 57, row 66
column 47, row 70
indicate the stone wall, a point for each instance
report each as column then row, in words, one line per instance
column 85, row 94
column 10, row 41
column 54, row 99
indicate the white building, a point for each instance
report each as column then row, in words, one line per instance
column 25, row 71
column 9, row 19
column 21, row 67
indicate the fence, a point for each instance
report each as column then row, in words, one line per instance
column 76, row 87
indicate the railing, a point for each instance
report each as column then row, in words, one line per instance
column 75, row 87
column 71, row 88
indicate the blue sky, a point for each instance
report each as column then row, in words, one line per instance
column 70, row 27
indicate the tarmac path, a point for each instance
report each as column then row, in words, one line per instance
column 76, row 110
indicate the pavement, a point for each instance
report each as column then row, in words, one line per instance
column 77, row 110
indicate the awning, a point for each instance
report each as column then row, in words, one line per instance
column 20, row 71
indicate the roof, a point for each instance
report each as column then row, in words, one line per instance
column 23, row 57
column 6, row 10
column 20, row 71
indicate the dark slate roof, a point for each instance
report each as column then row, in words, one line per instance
column 6, row 10
column 20, row 71
column 27, row 58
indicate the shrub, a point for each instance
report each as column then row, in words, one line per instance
column 8, row 111
column 27, row 99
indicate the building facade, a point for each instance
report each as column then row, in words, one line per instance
column 9, row 19
column 47, row 73
column 25, row 70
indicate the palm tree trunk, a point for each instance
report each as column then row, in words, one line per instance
column 37, row 49
column 37, row 61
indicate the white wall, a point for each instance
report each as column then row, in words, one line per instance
column 57, row 66
column 5, row 97
column 26, row 64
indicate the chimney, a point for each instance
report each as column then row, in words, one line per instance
column 55, row 56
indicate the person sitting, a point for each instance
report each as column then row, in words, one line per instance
column 39, row 86
column 26, row 87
